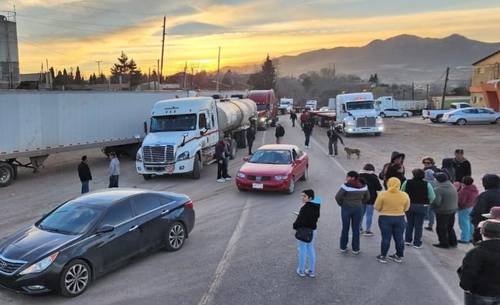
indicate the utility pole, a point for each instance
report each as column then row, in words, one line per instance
column 218, row 70
column 413, row 91
column 158, row 73
column 162, row 47
column 99, row 67
column 445, row 84
column 185, row 79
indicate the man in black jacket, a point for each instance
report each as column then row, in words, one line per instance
column 485, row 201
column 480, row 270
column 84, row 174
column 462, row 166
column 250, row 134
column 333, row 138
column 279, row 133
column 293, row 117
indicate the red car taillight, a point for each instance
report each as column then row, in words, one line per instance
column 189, row 205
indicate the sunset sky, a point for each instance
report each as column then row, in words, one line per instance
column 70, row 33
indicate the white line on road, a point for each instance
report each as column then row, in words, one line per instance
column 449, row 291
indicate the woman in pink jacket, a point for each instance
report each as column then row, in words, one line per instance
column 466, row 198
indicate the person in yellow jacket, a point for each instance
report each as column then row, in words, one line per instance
column 392, row 205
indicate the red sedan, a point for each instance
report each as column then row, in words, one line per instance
column 273, row 167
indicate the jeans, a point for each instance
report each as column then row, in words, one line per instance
column 308, row 135
column 474, row 299
column 250, row 144
column 305, row 250
column 293, row 123
column 368, row 215
column 113, row 181
column 431, row 216
column 415, row 219
column 332, row 147
column 351, row 217
column 221, row 168
column 466, row 226
column 445, row 231
column 278, row 140
column 85, row 187
column 392, row 226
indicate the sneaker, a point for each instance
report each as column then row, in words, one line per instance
column 417, row 247
column 382, row 259
column 355, row 252
column 368, row 233
column 343, row 250
column 407, row 243
column 300, row 273
column 310, row 274
column 227, row 178
column 395, row 258
column 221, row 180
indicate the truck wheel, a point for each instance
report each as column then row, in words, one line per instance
column 382, row 115
column 195, row 174
column 377, row 134
column 6, row 174
column 147, row 176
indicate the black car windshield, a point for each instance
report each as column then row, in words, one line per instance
column 271, row 157
column 71, row 218
column 181, row 122
column 360, row 105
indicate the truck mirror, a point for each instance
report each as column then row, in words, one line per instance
column 145, row 127
column 203, row 131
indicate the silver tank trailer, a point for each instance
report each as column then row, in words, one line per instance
column 235, row 114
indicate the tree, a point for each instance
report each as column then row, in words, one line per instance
column 307, row 83
column 268, row 74
column 120, row 69
column 255, row 81
column 78, row 76
column 65, row 77
column 227, row 80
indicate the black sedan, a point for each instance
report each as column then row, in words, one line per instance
column 88, row 236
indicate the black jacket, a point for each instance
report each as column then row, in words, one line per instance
column 333, row 136
column 480, row 269
column 84, row 172
column 250, row 134
column 417, row 190
column 462, row 169
column 394, row 170
column 293, row 116
column 308, row 127
column 371, row 180
column 308, row 216
column 484, row 202
column 280, row 131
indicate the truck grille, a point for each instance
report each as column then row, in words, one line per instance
column 9, row 267
column 158, row 154
column 365, row 122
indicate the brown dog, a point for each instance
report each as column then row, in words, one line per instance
column 352, row 151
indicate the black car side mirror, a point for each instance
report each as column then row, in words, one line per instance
column 105, row 229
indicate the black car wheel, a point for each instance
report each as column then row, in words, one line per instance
column 196, row 173
column 75, row 278
column 176, row 235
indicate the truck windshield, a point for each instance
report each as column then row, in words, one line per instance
column 360, row 105
column 181, row 122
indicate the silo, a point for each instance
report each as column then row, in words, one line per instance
column 9, row 55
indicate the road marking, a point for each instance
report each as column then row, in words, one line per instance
column 449, row 291
column 224, row 263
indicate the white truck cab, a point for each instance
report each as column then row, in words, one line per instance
column 357, row 114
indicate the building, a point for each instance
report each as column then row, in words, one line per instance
column 9, row 55
column 485, row 84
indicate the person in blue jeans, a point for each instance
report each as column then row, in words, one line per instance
column 307, row 218
column 374, row 186
column 430, row 215
column 467, row 195
column 350, row 197
column 421, row 195
column 392, row 205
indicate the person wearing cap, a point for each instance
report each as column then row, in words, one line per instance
column 466, row 198
column 395, row 168
column 485, row 201
column 480, row 270
column 114, row 170
column 445, row 206
column 307, row 218
column 493, row 215
column 461, row 165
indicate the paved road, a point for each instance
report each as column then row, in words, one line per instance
column 242, row 250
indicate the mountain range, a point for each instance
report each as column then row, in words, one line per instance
column 400, row 59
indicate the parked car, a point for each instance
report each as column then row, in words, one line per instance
column 393, row 112
column 471, row 116
column 436, row 116
column 90, row 235
column 274, row 167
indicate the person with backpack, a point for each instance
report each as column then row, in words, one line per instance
column 350, row 197
column 279, row 133
column 333, row 137
column 293, row 117
column 306, row 221
column 421, row 194
column 371, row 180
column 392, row 205
column 466, row 199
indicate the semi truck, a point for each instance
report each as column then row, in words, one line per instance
column 286, row 105
column 183, row 133
column 34, row 125
column 389, row 102
column 311, row 104
column 267, row 107
column 357, row 114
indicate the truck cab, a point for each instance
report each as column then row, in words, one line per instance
column 357, row 114
column 267, row 107
column 312, row 104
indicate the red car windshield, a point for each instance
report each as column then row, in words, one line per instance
column 271, row 157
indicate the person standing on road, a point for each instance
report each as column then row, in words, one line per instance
column 333, row 138
column 485, row 201
column 421, row 194
column 84, row 174
column 370, row 178
column 307, row 218
column 293, row 117
column 279, row 133
column 308, row 127
column 462, row 166
column 431, row 216
column 394, row 169
column 304, row 117
column 221, row 153
column 114, row 170
column 466, row 198
column 480, row 268
column 250, row 135
column 350, row 197
column 392, row 205
column 445, row 206
column 429, row 163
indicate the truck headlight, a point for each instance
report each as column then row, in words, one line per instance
column 262, row 120
column 41, row 265
column 138, row 157
column 379, row 121
column 183, row 156
column 350, row 123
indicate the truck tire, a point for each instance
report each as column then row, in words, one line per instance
column 6, row 174
column 378, row 134
column 195, row 174
column 382, row 115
